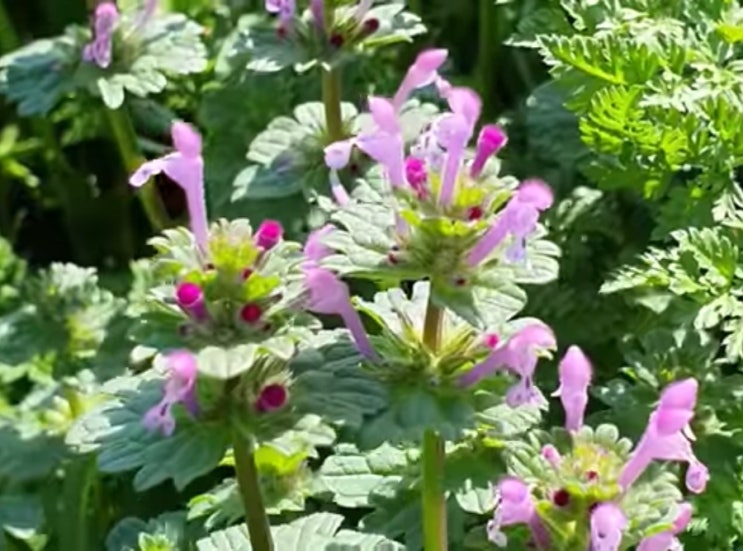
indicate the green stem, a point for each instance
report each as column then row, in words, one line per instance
column 125, row 137
column 331, row 98
column 250, row 492
column 433, row 456
column 434, row 501
column 8, row 37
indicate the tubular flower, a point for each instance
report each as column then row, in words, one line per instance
column 314, row 248
column 550, row 453
column 668, row 437
column 607, row 524
column 422, row 72
column 491, row 140
column 667, row 541
column 179, row 388
column 515, row 505
column 329, row 295
column 100, row 49
column 519, row 355
column 185, row 166
column 190, row 297
column 286, row 10
column 519, row 219
column 269, row 234
column 575, row 378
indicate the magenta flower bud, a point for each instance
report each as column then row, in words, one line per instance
column 180, row 387
column 329, row 295
column 667, row 541
column 268, row 235
column 416, row 175
column 100, row 49
column 607, row 525
column 550, row 453
column 186, row 168
column 491, row 341
column 519, row 219
column 422, row 73
column 190, row 297
column 667, row 437
column 697, row 477
column 515, row 505
column 575, row 377
column 272, row 398
column 492, row 138
column 251, row 313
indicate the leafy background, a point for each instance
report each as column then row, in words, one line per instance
column 630, row 109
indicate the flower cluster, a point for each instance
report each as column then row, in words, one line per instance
column 451, row 213
column 594, row 495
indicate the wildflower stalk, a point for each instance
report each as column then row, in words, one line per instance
column 433, row 456
column 259, row 528
column 331, row 91
column 125, row 137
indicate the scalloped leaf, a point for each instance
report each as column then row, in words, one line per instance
column 115, row 431
column 315, row 532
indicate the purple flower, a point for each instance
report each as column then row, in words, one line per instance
column 317, row 9
column 492, row 139
column 285, row 9
column 422, row 72
column 453, row 132
column 607, row 524
column 328, row 295
column 190, row 297
column 575, row 377
column 668, row 437
column 519, row 219
column 417, row 176
column 185, row 166
column 550, row 453
column 272, row 398
column 269, row 234
column 100, row 49
column 314, row 248
column 514, row 505
column 519, row 355
column 667, row 541
column 179, row 388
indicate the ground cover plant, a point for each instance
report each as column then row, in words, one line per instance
column 298, row 275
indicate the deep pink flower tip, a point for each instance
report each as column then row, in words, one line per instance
column 493, row 137
column 186, row 139
column 371, row 25
column 415, row 172
column 107, row 10
column 474, row 213
column 680, row 395
column 491, row 340
column 575, row 369
column 251, row 313
column 272, row 398
column 188, row 294
column 182, row 364
column 431, row 60
column 269, row 234
column 537, row 193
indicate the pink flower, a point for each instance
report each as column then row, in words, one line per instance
column 607, row 524
column 668, row 437
column 519, row 219
column 667, row 541
column 575, row 377
column 328, row 295
column 314, row 249
column 272, row 398
column 519, row 355
column 453, row 132
column 421, row 73
column 185, row 166
column 190, row 297
column 417, row 176
column 285, row 9
column 269, row 234
column 492, row 139
column 385, row 143
column 515, row 505
column 550, row 453
column 100, row 49
column 179, row 388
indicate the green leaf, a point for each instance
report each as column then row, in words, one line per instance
column 115, row 431
column 128, row 533
column 21, row 516
column 315, row 532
